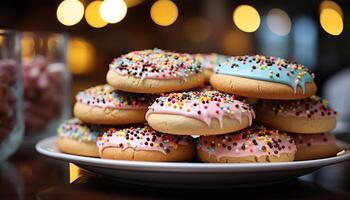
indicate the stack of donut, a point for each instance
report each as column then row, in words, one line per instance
column 157, row 107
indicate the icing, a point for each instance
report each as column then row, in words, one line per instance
column 77, row 130
column 312, row 107
column 202, row 105
column 140, row 138
column 309, row 140
column 156, row 64
column 209, row 61
column 253, row 141
column 105, row 96
column 271, row 69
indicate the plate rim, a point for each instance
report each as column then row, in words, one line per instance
column 186, row 166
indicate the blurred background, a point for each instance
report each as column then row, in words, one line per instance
column 314, row 33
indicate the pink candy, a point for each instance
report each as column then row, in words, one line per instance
column 42, row 86
column 7, row 98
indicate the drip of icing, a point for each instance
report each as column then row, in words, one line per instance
column 309, row 140
column 104, row 96
column 254, row 141
column 312, row 107
column 77, row 130
column 156, row 64
column 140, row 138
column 204, row 106
column 209, row 61
column 272, row 69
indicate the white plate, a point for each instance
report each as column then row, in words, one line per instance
column 193, row 175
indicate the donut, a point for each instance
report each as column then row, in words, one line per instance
column 209, row 62
column 142, row 143
column 196, row 112
column 309, row 116
column 264, row 77
column 103, row 105
column 155, row 71
column 254, row 144
column 78, row 138
column 314, row 146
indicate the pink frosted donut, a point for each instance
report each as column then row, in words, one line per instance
column 142, row 143
column 255, row 144
column 103, row 105
column 311, row 115
column 314, row 146
column 196, row 112
column 155, row 71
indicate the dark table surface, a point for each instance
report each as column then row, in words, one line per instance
column 29, row 175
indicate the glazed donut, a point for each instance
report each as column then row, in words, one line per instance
column 254, row 144
column 263, row 77
column 75, row 137
column 309, row 116
column 103, row 105
column 314, row 146
column 155, row 71
column 209, row 62
column 142, row 143
column 196, row 112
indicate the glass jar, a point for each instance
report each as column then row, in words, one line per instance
column 46, row 83
column 11, row 115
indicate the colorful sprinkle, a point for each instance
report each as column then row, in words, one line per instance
column 312, row 107
column 77, row 130
column 156, row 64
column 254, row 141
column 203, row 105
column 140, row 138
column 105, row 96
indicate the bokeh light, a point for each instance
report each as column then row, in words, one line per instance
column 92, row 15
column 197, row 29
column 332, row 5
column 331, row 21
column 70, row 12
column 279, row 22
column 113, row 11
column 246, row 18
column 132, row 3
column 237, row 43
column 28, row 45
column 81, row 56
column 164, row 12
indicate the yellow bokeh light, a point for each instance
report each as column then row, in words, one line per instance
column 113, row 11
column 279, row 22
column 246, row 18
column 237, row 43
column 81, row 54
column 70, row 12
column 92, row 15
column 132, row 3
column 164, row 12
column 331, row 21
column 197, row 29
column 28, row 45
column 332, row 5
